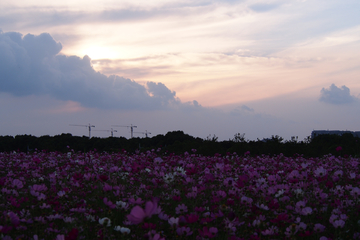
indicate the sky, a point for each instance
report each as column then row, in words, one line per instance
column 205, row 67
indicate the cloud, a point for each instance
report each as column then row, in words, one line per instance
column 335, row 95
column 240, row 111
column 31, row 65
column 263, row 7
column 246, row 108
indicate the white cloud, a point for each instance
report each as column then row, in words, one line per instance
column 336, row 95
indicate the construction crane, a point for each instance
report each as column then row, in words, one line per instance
column 146, row 133
column 131, row 128
column 89, row 126
column 112, row 131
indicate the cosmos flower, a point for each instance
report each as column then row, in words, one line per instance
column 137, row 214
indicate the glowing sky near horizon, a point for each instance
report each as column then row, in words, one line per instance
column 222, row 54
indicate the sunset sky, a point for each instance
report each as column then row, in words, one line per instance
column 274, row 67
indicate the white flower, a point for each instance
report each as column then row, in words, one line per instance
column 68, row 219
column 304, row 165
column 320, row 172
column 262, row 206
column 121, row 204
column 56, row 216
column 117, row 228
column 173, row 221
column 125, row 230
column 280, row 192
column 90, row 218
column 169, row 177
column 44, row 205
column 299, row 191
column 106, row 221
column 181, row 170
column 256, row 222
column 122, row 229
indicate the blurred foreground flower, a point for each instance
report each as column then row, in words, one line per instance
column 137, row 214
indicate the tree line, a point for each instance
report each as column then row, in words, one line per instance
column 178, row 142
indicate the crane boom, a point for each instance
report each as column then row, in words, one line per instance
column 131, row 128
column 112, row 131
column 146, row 133
column 80, row 125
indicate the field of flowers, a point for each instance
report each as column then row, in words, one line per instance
column 158, row 196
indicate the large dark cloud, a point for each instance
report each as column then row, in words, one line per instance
column 335, row 95
column 31, row 65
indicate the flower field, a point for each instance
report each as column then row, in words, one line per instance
column 158, row 196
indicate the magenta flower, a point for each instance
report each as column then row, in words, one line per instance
column 191, row 218
column 137, row 201
column 15, row 220
column 184, row 230
column 156, row 237
column 107, row 187
column 103, row 178
column 211, row 232
column 137, row 214
column 339, row 148
column 109, row 203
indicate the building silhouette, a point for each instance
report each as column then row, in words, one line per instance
column 315, row 133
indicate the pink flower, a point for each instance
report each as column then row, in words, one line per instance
column 60, row 237
column 39, row 188
column 355, row 192
column 156, row 237
column 247, row 200
column 339, row 148
column 137, row 214
column 137, row 201
column 339, row 223
column 181, row 208
column 107, row 187
column 306, row 211
column 319, row 227
column 17, row 183
column 109, row 203
column 320, row 172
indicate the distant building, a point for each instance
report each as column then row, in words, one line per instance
column 336, row 132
